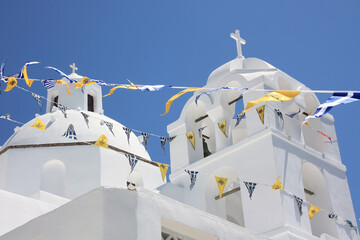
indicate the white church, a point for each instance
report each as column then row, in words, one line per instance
column 56, row 185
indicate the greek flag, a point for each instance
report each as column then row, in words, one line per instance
column 334, row 100
column 70, row 132
column 132, row 161
column 5, row 116
column 48, row 83
column 215, row 90
column 239, row 118
column 250, row 187
column 127, row 132
column 38, row 99
column 2, row 68
column 63, row 109
column 110, row 126
column 292, row 115
column 299, row 202
column 61, row 73
column 192, row 178
column 26, row 64
column 145, row 139
column 280, row 115
column 86, row 118
column 163, row 142
column 152, row 88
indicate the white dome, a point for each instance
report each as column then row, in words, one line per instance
column 56, row 125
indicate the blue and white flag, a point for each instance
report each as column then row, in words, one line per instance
column 48, row 83
column 109, row 125
column 62, row 109
column 70, row 132
column 132, row 161
column 152, row 88
column 163, row 141
column 61, row 73
column 200, row 130
column 5, row 116
column 2, row 68
column 292, row 115
column 250, row 187
column 239, row 117
column 192, row 178
column 26, row 64
column 127, row 132
column 215, row 90
column 299, row 202
column 86, row 118
column 145, row 139
column 334, row 100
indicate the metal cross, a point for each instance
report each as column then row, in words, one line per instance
column 239, row 42
column 73, row 67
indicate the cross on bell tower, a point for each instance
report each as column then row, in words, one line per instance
column 239, row 42
column 74, row 68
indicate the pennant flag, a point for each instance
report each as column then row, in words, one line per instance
column 62, row 74
column 351, row 225
column 110, row 126
column 65, row 83
column 222, row 126
column 12, row 82
column 276, row 96
column 62, row 109
column 292, row 115
column 100, row 82
column 127, row 132
column 250, row 187
column 2, row 69
column 145, row 139
column 38, row 99
column 215, row 90
column 332, row 215
column 201, row 130
column 238, row 119
column 48, row 83
column 86, row 118
column 192, row 178
column 24, row 74
column 278, row 184
column 163, row 169
column 190, row 136
column 325, row 135
column 261, row 113
column 152, row 88
column 163, row 142
column 132, row 161
column 102, row 142
column 70, row 132
column 313, row 210
column 280, row 115
column 121, row 86
column 334, row 100
column 170, row 101
column 299, row 202
column 39, row 125
column 5, row 116
column 221, row 182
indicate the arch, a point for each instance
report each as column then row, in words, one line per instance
column 316, row 192
column 228, row 207
column 53, row 177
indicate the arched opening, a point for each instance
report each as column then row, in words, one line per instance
column 90, row 103
column 311, row 137
column 53, row 177
column 229, row 206
column 316, row 192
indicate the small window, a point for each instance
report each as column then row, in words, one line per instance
column 90, row 103
column 56, row 100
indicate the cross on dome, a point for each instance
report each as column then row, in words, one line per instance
column 74, row 68
column 239, row 42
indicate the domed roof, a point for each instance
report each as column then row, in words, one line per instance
column 57, row 125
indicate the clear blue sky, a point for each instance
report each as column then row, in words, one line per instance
column 179, row 43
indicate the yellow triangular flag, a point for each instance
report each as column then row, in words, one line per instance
column 313, row 210
column 190, row 136
column 102, row 142
column 12, row 82
column 39, row 125
column 163, row 169
column 67, row 85
column 261, row 112
column 132, row 86
column 28, row 81
column 170, row 101
column 278, row 184
column 222, row 126
column 221, row 182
